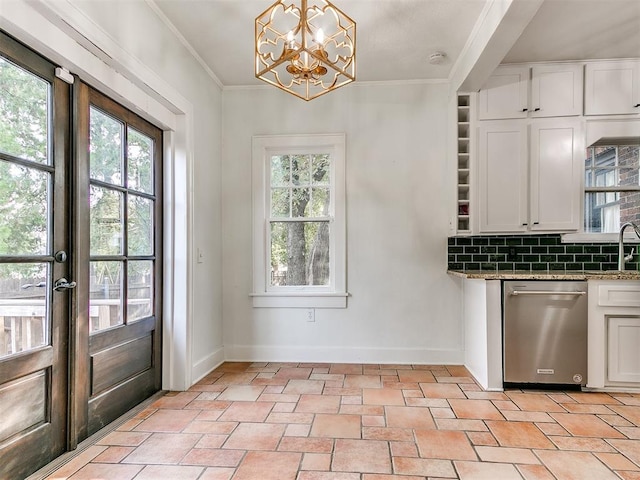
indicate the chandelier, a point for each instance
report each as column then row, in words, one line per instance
column 305, row 47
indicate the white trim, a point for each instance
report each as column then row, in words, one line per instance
column 209, row 363
column 264, row 296
column 346, row 354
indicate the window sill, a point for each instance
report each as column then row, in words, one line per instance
column 299, row 300
column 629, row 237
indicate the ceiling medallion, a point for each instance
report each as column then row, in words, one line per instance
column 305, row 47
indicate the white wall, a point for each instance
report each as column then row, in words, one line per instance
column 139, row 31
column 403, row 306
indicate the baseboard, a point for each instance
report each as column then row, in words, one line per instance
column 204, row 366
column 421, row 356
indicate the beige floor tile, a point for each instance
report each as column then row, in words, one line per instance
column 363, row 456
column 518, row 434
column 535, row 472
column 386, row 433
column 575, row 465
column 362, row 381
column 403, row 449
column 316, row 461
column 244, row 393
column 616, row 461
column 534, row 402
column 486, row 471
column 482, row 438
column 306, row 445
column 420, row 376
column 382, row 396
column 425, row 467
column 304, row 386
column 593, row 398
column 255, row 436
column 167, row 420
column 458, row 424
column 507, row 455
column 113, row 454
column 336, row 426
column 163, row 448
column 585, row 425
column 170, row 472
column 217, row 473
column 328, row 476
column 409, row 417
column 318, row 404
column 581, row 444
column 213, row 457
column 441, row 390
column 269, row 466
column 475, row 409
column 247, row 412
column 294, row 373
column 112, row 471
column 630, row 412
column 629, row 448
column 444, row 444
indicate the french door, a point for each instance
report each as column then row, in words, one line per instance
column 34, row 242
column 119, row 186
column 80, row 261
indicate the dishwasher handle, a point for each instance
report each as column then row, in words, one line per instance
column 515, row 293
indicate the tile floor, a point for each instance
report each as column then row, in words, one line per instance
column 277, row 421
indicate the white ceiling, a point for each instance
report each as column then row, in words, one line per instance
column 396, row 37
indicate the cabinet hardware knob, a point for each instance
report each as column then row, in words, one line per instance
column 536, row 109
column 525, row 224
column 525, row 109
column 536, row 223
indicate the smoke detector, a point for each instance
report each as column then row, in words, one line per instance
column 436, row 58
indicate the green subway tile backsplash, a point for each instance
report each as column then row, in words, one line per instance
column 533, row 252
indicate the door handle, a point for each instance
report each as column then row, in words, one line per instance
column 543, row 292
column 63, row 284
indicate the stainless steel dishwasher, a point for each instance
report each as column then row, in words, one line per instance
column 545, row 332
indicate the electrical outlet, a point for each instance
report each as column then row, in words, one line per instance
column 512, row 256
column 310, row 315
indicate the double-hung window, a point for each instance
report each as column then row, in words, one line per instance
column 612, row 187
column 299, row 221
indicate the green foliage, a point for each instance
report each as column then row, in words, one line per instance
column 300, row 186
column 24, row 104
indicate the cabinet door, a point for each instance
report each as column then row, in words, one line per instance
column 612, row 88
column 623, row 338
column 502, row 177
column 555, row 175
column 556, row 90
column 504, row 95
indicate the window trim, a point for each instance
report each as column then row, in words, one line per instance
column 264, row 295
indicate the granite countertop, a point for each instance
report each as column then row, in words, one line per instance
column 547, row 274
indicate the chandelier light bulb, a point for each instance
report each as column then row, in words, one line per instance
column 319, row 37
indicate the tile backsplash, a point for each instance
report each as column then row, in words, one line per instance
column 533, row 252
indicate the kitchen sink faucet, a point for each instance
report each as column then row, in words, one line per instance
column 621, row 257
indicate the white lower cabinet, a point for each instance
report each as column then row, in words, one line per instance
column 614, row 334
column 529, row 175
column 623, row 342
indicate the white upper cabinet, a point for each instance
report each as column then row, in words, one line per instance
column 539, row 91
column 502, row 177
column 505, row 94
column 555, row 175
column 556, row 90
column 524, row 188
column 612, row 88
